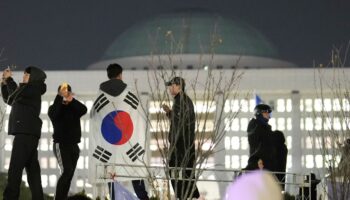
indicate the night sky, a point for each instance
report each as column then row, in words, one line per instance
column 62, row 35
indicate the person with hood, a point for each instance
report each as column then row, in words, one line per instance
column 25, row 125
column 114, row 87
column 181, row 139
column 65, row 114
column 260, row 139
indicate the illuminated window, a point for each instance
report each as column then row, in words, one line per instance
column 235, row 142
column 80, row 183
column 244, row 105
column 252, row 105
column 44, row 181
column 44, row 146
column 43, row 163
column 244, row 143
column 82, row 125
column 336, row 104
column 327, row 124
column 80, row 164
column 7, row 163
column 81, row 144
column 346, row 105
column 207, row 145
column 318, row 142
column 301, row 105
column 289, row 105
column 235, row 162
column 8, row 144
column 318, row 123
column 45, row 126
column 318, row 105
column 235, row 124
column 281, row 124
column 336, row 124
column 302, row 125
column 44, row 107
column 87, row 143
column 308, row 105
column 309, row 161
column 319, row 161
column 52, row 180
column 6, row 127
column 88, row 105
column 280, row 105
column 50, row 127
column 53, row 162
column 327, row 105
column 244, row 124
column 235, row 107
column 8, row 109
column 309, row 125
column 51, row 145
column 227, row 106
column 244, row 161
column 204, row 106
column 87, row 125
column 308, row 142
column 227, row 143
column 289, row 142
column 272, row 123
column 289, row 124
column 205, row 125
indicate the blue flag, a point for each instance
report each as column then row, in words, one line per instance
column 258, row 100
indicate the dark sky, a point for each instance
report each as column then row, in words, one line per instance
column 61, row 34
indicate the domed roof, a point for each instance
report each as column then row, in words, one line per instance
column 190, row 33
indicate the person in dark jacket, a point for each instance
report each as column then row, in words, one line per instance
column 281, row 151
column 260, row 139
column 114, row 87
column 65, row 114
column 25, row 124
column 181, row 139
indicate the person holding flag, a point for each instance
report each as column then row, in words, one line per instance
column 65, row 114
column 119, row 127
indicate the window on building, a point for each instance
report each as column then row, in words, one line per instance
column 227, row 143
column 53, row 162
column 235, row 162
column 289, row 124
column 8, row 144
column 44, row 144
column 289, row 162
column 45, row 126
column 308, row 142
column 336, row 104
column 281, row 124
column 44, row 107
column 244, row 143
column 327, row 104
column 80, row 164
column 244, row 124
column 235, row 124
column 319, row 161
column 309, row 125
column 244, row 161
column 301, row 105
column 289, row 105
column 52, row 180
column 235, row 143
column 308, row 105
column 280, row 105
column 272, row 123
column 44, row 180
column 309, row 161
column 289, row 142
column 318, row 123
column 43, row 163
column 318, row 105
column 227, row 161
column 244, row 105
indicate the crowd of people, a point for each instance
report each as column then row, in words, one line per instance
column 267, row 148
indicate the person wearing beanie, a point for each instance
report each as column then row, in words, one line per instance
column 65, row 114
column 260, row 139
column 25, row 125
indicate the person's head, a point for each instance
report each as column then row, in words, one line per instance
column 114, row 71
column 66, row 86
column 176, row 85
column 261, row 164
column 263, row 110
column 32, row 74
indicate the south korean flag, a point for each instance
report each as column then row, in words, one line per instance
column 119, row 136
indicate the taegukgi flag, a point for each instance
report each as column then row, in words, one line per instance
column 118, row 135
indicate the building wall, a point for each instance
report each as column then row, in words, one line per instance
column 291, row 92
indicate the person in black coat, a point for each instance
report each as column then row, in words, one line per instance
column 25, row 124
column 260, row 139
column 181, row 139
column 281, row 152
column 65, row 114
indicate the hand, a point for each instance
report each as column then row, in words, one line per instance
column 67, row 99
column 166, row 108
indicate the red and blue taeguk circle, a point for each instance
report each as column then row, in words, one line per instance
column 117, row 127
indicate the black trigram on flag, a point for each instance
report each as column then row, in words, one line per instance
column 135, row 152
column 101, row 154
column 100, row 102
column 132, row 100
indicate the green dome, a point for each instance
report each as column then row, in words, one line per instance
column 190, row 33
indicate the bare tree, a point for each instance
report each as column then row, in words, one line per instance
column 333, row 138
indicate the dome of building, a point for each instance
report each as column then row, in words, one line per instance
column 185, row 36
